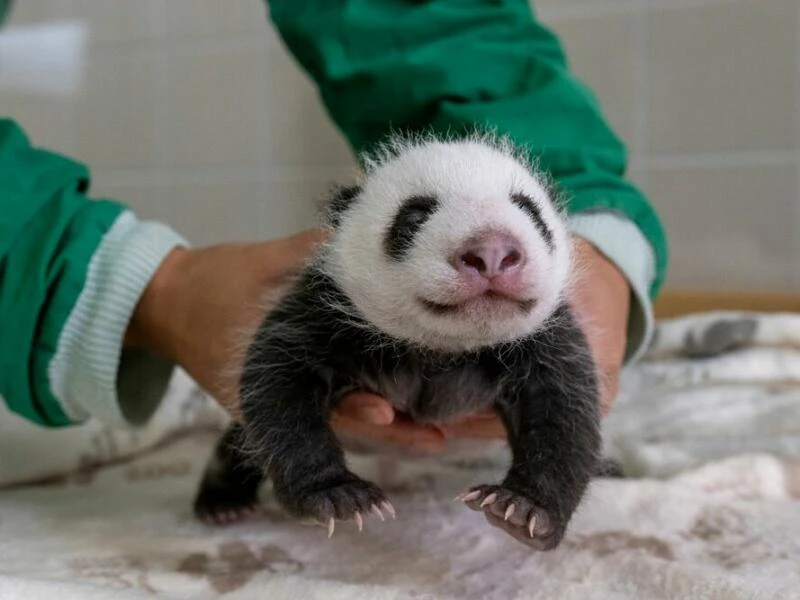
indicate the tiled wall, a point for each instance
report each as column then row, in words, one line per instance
column 705, row 92
column 191, row 111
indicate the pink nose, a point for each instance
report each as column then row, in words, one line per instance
column 490, row 255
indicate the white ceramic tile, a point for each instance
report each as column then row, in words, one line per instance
column 602, row 53
column 723, row 77
column 247, row 211
column 48, row 122
column 38, row 11
column 639, row 177
column 139, row 198
column 210, row 104
column 296, row 128
column 729, row 228
column 115, row 124
column 544, row 5
column 117, row 21
column 550, row 9
column 179, row 18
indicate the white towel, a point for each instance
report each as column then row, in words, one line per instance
column 712, row 514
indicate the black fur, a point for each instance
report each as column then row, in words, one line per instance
column 308, row 354
column 231, row 482
column 527, row 204
column 341, row 199
column 408, row 221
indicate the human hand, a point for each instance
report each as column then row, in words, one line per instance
column 201, row 301
column 602, row 303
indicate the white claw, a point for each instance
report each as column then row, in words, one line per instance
column 470, row 496
column 359, row 522
column 509, row 511
column 532, row 525
column 387, row 506
column 488, row 500
column 377, row 512
column 331, row 527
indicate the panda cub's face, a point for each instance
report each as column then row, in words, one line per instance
column 450, row 245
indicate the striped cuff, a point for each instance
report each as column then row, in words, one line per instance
column 621, row 241
column 90, row 375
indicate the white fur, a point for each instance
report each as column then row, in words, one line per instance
column 473, row 180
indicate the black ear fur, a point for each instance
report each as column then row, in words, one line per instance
column 340, row 200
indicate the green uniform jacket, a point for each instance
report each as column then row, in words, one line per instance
column 72, row 268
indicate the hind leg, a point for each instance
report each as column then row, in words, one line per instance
column 229, row 489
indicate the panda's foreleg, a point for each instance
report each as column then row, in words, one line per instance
column 288, row 435
column 553, row 426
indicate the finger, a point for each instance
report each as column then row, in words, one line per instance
column 411, row 437
column 368, row 408
column 484, row 428
column 485, row 415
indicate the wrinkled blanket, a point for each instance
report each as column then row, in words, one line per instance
column 707, row 428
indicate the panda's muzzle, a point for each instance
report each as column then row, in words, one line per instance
column 488, row 297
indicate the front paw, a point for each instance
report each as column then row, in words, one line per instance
column 342, row 501
column 516, row 514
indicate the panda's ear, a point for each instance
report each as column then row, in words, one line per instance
column 340, row 199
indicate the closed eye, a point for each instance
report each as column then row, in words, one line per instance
column 412, row 215
column 527, row 204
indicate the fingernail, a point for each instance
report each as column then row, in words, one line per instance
column 374, row 415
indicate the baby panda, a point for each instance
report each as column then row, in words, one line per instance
column 443, row 288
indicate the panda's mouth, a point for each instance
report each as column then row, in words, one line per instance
column 488, row 299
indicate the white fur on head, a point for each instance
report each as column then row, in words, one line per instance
column 473, row 180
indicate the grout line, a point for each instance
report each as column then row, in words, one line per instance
column 149, row 176
column 794, row 278
column 155, row 15
column 778, row 158
column 262, row 118
column 161, row 48
column 587, row 8
column 160, row 42
column 160, row 114
column 590, row 8
column 679, row 4
column 191, row 175
column 641, row 144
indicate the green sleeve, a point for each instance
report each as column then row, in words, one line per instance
column 47, row 236
column 71, row 272
column 447, row 66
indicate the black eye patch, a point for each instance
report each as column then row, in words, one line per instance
column 408, row 221
column 527, row 204
column 341, row 199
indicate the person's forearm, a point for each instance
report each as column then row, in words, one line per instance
column 71, row 272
